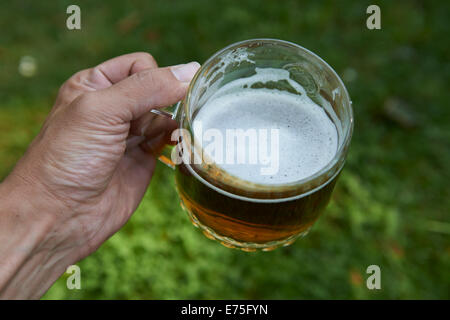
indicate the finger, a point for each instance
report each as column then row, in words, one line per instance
column 134, row 96
column 148, row 127
column 134, row 141
column 155, row 145
column 148, row 149
column 161, row 124
column 150, row 124
column 104, row 75
column 136, row 169
column 114, row 70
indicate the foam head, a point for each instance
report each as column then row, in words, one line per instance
column 267, row 136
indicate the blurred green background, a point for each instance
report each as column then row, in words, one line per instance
column 390, row 206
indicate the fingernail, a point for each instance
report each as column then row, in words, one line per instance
column 185, row 72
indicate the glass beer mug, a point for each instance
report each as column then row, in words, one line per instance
column 254, row 85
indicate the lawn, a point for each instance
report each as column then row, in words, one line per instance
column 390, row 207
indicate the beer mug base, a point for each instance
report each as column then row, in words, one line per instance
column 234, row 244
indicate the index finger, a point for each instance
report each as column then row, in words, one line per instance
column 114, row 70
column 104, row 75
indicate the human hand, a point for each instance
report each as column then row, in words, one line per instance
column 87, row 170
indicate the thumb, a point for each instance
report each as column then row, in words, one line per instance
column 132, row 97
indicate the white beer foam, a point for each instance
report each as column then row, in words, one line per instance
column 308, row 139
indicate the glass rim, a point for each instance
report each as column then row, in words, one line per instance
column 323, row 175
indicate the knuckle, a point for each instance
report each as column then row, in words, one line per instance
column 77, row 78
column 147, row 57
column 92, row 72
column 73, row 83
column 67, row 87
column 62, row 92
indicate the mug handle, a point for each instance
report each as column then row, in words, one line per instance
column 165, row 155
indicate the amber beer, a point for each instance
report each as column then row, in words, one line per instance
column 237, row 204
column 246, row 221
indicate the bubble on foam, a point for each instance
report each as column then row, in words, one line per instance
column 307, row 137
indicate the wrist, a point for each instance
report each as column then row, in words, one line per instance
column 29, row 259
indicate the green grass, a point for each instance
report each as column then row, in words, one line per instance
column 390, row 206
